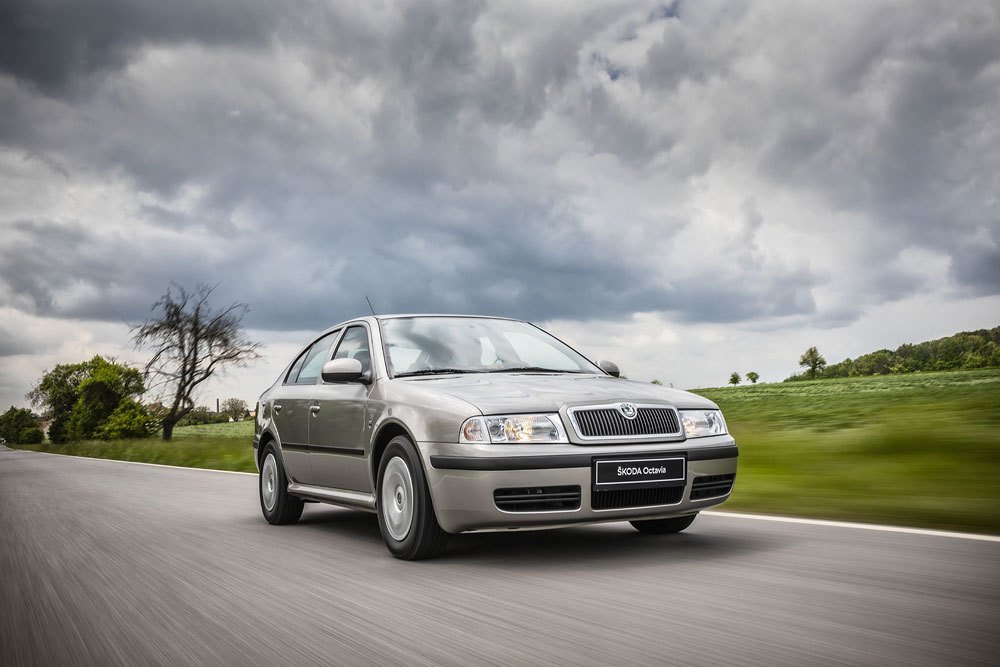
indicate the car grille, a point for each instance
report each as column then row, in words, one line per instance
column 710, row 486
column 609, row 422
column 538, row 499
column 622, row 498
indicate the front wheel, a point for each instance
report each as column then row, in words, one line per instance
column 663, row 526
column 279, row 506
column 405, row 513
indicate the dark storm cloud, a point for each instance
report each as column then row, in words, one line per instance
column 59, row 44
column 408, row 152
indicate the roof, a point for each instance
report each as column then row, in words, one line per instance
column 397, row 316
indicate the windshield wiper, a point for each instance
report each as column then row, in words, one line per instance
column 529, row 369
column 434, row 371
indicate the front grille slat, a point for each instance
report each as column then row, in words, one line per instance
column 610, row 423
column 625, row 498
column 538, row 499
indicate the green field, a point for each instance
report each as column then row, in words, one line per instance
column 920, row 449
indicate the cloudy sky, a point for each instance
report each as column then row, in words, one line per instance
column 687, row 188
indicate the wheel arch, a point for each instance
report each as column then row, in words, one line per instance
column 387, row 431
column 267, row 438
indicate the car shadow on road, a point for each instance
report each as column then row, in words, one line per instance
column 556, row 548
column 617, row 543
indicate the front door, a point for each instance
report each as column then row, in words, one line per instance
column 337, row 429
column 290, row 408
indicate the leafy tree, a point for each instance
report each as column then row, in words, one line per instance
column 57, row 392
column 15, row 423
column 813, row 362
column 753, row 377
column 190, row 341
column 81, row 397
column 734, row 379
column 99, row 395
column 235, row 408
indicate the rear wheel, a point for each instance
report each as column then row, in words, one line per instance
column 279, row 506
column 405, row 513
column 663, row 526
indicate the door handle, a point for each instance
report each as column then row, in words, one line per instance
column 276, row 407
column 314, row 409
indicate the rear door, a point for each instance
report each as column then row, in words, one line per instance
column 291, row 409
column 337, row 429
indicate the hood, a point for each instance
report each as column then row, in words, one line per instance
column 535, row 392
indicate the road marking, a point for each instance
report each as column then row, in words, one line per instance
column 140, row 463
column 861, row 526
column 729, row 515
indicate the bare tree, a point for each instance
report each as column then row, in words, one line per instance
column 190, row 341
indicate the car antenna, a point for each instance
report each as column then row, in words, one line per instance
column 370, row 305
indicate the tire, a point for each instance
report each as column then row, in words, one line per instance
column 403, row 504
column 279, row 507
column 663, row 526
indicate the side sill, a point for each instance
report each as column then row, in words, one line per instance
column 354, row 499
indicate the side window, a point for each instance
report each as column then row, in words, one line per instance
column 354, row 345
column 313, row 360
column 293, row 372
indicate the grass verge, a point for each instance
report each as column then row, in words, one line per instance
column 218, row 446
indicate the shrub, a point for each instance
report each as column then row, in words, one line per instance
column 30, row 436
column 129, row 420
column 202, row 415
column 57, row 430
column 14, row 421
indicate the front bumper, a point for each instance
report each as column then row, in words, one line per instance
column 463, row 478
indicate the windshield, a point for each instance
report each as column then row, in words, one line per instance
column 439, row 345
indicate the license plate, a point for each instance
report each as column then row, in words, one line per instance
column 636, row 473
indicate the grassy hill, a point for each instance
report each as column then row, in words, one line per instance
column 919, row 449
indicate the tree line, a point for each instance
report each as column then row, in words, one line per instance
column 965, row 350
column 100, row 399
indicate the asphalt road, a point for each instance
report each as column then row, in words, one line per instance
column 110, row 563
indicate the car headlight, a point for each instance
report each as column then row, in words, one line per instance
column 701, row 423
column 513, row 429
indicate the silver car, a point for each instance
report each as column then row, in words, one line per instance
column 445, row 424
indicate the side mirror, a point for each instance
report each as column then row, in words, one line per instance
column 343, row 370
column 609, row 367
